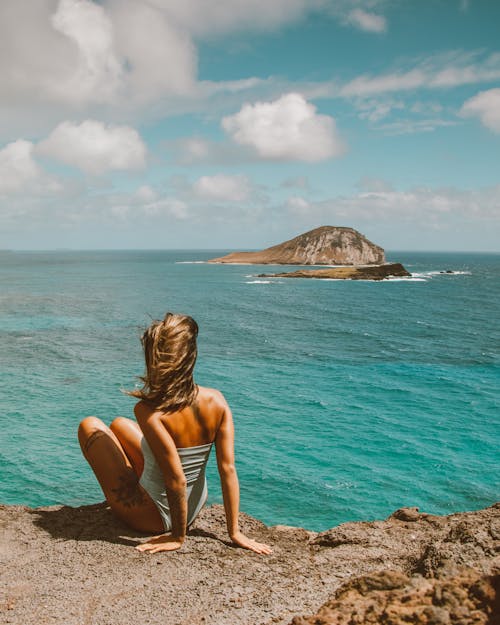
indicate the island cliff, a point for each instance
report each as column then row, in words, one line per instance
column 326, row 245
column 77, row 566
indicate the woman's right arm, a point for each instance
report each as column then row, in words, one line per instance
column 224, row 445
column 167, row 457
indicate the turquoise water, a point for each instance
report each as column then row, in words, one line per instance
column 351, row 399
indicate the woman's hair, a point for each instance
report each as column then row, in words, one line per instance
column 170, row 353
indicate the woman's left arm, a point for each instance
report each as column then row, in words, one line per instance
column 165, row 452
column 224, row 447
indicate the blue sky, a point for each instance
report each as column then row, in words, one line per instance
column 241, row 123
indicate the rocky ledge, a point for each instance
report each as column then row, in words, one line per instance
column 77, row 566
column 326, row 245
column 367, row 272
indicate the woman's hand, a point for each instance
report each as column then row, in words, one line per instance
column 248, row 543
column 165, row 542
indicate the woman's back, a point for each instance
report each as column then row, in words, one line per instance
column 193, row 429
column 193, row 425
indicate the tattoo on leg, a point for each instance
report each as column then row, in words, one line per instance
column 128, row 492
column 91, row 439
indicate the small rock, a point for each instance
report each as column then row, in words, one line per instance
column 407, row 514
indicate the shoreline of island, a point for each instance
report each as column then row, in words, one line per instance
column 356, row 272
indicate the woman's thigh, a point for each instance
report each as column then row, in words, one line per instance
column 130, row 436
column 117, row 477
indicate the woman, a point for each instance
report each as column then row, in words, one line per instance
column 153, row 474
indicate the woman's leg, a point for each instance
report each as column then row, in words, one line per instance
column 117, row 477
column 130, row 435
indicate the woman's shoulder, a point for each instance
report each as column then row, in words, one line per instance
column 144, row 411
column 211, row 396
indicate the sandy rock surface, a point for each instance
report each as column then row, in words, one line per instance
column 77, row 566
column 392, row 598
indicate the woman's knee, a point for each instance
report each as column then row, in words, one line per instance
column 126, row 430
column 121, row 422
column 88, row 427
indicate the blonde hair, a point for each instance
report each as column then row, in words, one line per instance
column 170, row 353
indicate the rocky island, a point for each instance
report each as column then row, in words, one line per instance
column 360, row 259
column 365, row 272
column 78, row 566
column 326, row 245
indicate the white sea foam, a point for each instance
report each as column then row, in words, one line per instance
column 388, row 279
column 258, row 282
column 441, row 272
column 341, row 485
column 190, row 262
column 413, row 278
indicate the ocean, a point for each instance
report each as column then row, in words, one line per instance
column 350, row 398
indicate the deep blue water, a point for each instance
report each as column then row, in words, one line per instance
column 351, row 399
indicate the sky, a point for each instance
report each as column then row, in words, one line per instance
column 238, row 124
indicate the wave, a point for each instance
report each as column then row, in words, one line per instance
column 190, row 262
column 258, row 282
column 388, row 279
column 441, row 272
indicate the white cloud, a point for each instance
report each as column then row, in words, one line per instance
column 441, row 71
column 370, row 22
column 467, row 75
column 223, row 187
column 17, row 166
column 94, row 147
column 426, row 108
column 160, row 57
column 208, row 18
column 286, row 129
column 20, row 173
column 298, row 205
column 413, row 126
column 193, row 149
column 75, row 54
column 406, row 218
column 116, row 59
column 486, row 106
column 369, row 85
column 146, row 194
column 166, row 207
column 121, row 55
column 57, row 52
column 97, row 72
column 421, row 205
column 31, row 50
column 375, row 110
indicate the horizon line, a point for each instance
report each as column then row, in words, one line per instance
column 219, row 249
